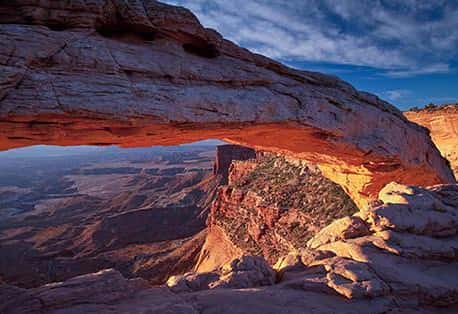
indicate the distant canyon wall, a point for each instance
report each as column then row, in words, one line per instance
column 443, row 125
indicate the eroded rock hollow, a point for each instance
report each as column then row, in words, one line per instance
column 144, row 73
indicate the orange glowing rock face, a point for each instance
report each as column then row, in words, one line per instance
column 361, row 174
column 167, row 80
column 443, row 125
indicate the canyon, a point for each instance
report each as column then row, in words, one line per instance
column 277, row 231
column 141, row 211
column 337, row 201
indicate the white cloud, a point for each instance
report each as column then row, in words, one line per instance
column 397, row 94
column 428, row 69
column 403, row 37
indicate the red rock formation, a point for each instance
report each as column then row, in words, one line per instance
column 143, row 73
column 270, row 207
column 225, row 154
column 442, row 122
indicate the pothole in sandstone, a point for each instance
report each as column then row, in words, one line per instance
column 153, row 212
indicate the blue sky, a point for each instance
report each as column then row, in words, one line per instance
column 405, row 51
column 41, row 151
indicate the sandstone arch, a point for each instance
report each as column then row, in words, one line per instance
column 143, row 73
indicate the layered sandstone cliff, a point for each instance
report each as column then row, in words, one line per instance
column 143, row 73
column 271, row 206
column 442, row 121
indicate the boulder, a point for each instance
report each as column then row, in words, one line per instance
column 416, row 210
column 243, row 272
column 340, row 229
column 409, row 253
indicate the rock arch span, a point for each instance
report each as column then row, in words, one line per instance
column 144, row 73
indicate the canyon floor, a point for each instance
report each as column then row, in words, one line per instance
column 141, row 210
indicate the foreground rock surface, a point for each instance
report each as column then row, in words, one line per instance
column 399, row 253
column 442, row 122
column 243, row 272
column 103, row 292
column 142, row 73
column 405, row 248
column 108, row 292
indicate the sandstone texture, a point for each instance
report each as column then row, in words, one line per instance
column 442, row 123
column 244, row 272
column 403, row 248
column 108, row 292
column 139, row 72
column 398, row 253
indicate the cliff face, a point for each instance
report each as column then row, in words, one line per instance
column 140, row 73
column 443, row 125
column 271, row 206
column 225, row 154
